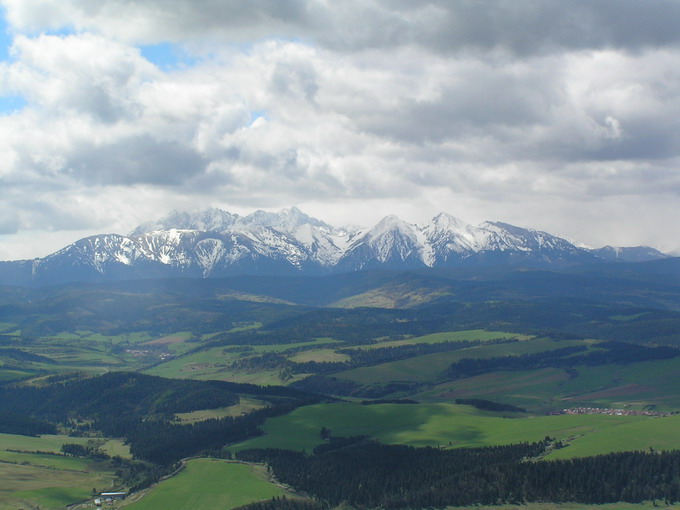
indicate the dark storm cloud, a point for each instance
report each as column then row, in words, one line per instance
column 528, row 27
column 520, row 27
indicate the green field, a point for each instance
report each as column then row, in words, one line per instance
column 47, row 443
column 46, row 461
column 572, row 506
column 209, row 484
column 470, row 335
column 320, row 356
column 116, row 447
column 30, row 486
column 214, row 363
column 463, row 426
column 29, row 479
column 244, row 406
column 429, row 366
column 651, row 384
column 208, row 364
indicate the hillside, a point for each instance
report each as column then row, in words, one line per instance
column 214, row 243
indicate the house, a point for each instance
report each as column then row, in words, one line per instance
column 112, row 496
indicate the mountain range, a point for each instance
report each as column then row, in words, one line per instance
column 216, row 243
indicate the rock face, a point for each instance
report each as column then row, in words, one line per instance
column 214, row 243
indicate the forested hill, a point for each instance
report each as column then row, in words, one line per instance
column 141, row 408
column 368, row 474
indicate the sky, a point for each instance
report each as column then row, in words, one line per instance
column 558, row 116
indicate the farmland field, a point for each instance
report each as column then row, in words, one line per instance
column 207, row 484
column 463, row 426
column 651, row 384
column 33, row 479
column 214, row 363
column 244, row 406
column 427, row 367
column 471, row 335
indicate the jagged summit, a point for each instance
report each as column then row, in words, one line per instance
column 286, row 220
column 212, row 219
column 213, row 243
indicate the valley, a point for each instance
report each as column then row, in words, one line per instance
column 139, row 375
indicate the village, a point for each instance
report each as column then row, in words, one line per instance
column 612, row 412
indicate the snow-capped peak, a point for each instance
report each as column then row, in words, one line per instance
column 286, row 220
column 211, row 220
column 444, row 221
column 213, row 242
column 390, row 223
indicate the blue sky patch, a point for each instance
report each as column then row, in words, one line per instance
column 256, row 114
column 11, row 104
column 167, row 56
column 5, row 37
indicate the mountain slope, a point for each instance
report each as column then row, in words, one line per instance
column 214, row 243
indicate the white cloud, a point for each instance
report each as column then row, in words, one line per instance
column 419, row 107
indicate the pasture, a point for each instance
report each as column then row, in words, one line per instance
column 650, row 384
column 214, row 363
column 245, row 405
column 470, row 335
column 457, row 426
column 206, row 484
column 572, row 506
column 428, row 367
column 31, row 478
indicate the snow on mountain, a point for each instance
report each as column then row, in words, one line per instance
column 211, row 220
column 392, row 242
column 213, row 243
column 96, row 252
column 450, row 237
column 629, row 254
column 318, row 241
column 504, row 237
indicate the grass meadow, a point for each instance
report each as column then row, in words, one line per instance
column 244, row 406
column 469, row 335
column 30, row 478
column 207, row 484
column 651, row 385
column 450, row 425
column 427, row 367
column 214, row 363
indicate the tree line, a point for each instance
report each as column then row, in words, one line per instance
column 141, row 409
column 358, row 357
column 370, row 474
column 603, row 353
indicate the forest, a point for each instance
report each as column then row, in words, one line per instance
column 605, row 353
column 369, row 474
column 141, row 409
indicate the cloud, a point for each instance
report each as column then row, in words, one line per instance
column 430, row 106
column 83, row 74
column 521, row 27
column 331, row 126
